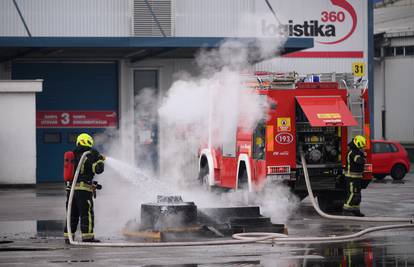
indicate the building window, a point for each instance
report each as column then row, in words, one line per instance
column 51, row 138
column 399, row 51
column 389, row 51
column 377, row 52
column 409, row 50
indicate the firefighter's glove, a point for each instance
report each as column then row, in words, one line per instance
column 95, row 186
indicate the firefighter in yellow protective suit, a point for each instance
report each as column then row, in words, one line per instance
column 355, row 161
column 82, row 204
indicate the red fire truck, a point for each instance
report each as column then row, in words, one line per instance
column 305, row 114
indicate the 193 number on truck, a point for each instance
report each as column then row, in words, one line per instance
column 284, row 138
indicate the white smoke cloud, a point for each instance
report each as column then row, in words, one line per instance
column 216, row 99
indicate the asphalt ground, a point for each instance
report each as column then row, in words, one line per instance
column 31, row 222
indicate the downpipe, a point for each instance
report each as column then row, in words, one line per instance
column 246, row 238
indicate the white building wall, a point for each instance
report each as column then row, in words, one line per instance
column 18, row 131
column 399, row 97
column 66, row 18
column 211, row 18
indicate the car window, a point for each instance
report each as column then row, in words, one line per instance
column 383, row 148
column 393, row 148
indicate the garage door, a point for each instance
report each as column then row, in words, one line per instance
column 76, row 97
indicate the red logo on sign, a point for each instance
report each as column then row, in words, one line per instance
column 350, row 9
column 284, row 138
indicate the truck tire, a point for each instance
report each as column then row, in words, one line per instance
column 365, row 183
column 242, row 183
column 301, row 195
column 379, row 176
column 203, row 177
column 331, row 201
column 398, row 172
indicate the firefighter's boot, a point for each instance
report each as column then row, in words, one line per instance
column 358, row 213
column 66, row 236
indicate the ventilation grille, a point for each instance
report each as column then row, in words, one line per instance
column 144, row 22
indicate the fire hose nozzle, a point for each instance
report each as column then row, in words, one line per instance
column 96, row 185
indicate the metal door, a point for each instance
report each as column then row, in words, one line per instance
column 146, row 119
column 68, row 88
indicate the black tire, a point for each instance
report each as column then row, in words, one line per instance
column 301, row 195
column 398, row 172
column 242, row 183
column 203, row 176
column 365, row 183
column 379, row 176
column 331, row 201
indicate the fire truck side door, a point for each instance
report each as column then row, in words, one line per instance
column 228, row 161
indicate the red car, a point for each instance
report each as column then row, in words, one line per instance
column 389, row 157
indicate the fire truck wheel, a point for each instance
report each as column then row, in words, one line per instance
column 365, row 183
column 379, row 176
column 203, row 178
column 301, row 195
column 331, row 202
column 242, row 183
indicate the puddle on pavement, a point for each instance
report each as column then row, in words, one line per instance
column 359, row 253
column 227, row 264
column 390, row 248
column 72, row 261
column 10, row 249
column 28, row 229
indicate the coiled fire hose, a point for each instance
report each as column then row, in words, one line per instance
column 244, row 238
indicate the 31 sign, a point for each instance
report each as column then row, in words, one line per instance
column 358, row 68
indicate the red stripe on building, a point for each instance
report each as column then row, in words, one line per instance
column 327, row 54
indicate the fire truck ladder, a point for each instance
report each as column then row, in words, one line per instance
column 357, row 106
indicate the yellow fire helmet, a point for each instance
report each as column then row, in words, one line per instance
column 84, row 139
column 360, row 141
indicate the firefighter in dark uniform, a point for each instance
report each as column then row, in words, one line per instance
column 82, row 204
column 355, row 161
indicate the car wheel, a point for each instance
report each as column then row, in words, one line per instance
column 398, row 172
column 331, row 202
column 379, row 176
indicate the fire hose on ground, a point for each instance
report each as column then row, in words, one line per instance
column 245, row 238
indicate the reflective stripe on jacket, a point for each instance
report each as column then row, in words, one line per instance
column 84, row 187
column 355, row 161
